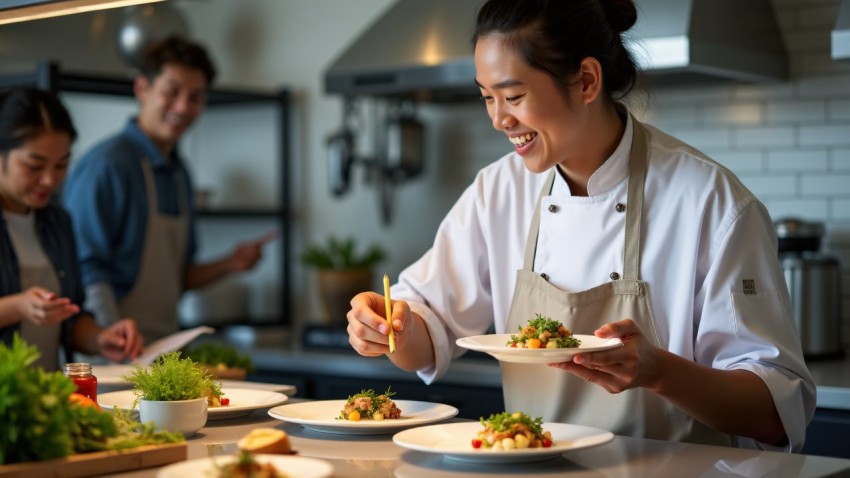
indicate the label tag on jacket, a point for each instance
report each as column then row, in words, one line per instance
column 749, row 287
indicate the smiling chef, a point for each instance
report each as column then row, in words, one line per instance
column 617, row 230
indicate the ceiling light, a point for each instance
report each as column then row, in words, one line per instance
column 22, row 10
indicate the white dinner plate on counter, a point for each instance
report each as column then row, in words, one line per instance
column 321, row 416
column 243, row 401
column 454, row 442
column 109, row 379
column 289, row 465
column 496, row 345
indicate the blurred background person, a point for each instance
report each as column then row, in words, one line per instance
column 40, row 285
column 131, row 199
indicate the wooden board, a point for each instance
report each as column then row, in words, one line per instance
column 98, row 463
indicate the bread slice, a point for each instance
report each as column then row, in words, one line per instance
column 265, row 440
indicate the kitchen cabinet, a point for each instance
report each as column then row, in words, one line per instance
column 48, row 76
column 828, row 433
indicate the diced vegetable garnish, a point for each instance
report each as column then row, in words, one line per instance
column 543, row 332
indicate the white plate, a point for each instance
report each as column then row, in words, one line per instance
column 299, row 466
column 243, row 401
column 496, row 345
column 321, row 416
column 109, row 379
column 454, row 441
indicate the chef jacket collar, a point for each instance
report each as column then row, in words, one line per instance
column 615, row 169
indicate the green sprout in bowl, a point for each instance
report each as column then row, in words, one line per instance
column 171, row 378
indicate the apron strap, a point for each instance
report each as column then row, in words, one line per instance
column 534, row 228
column 634, row 202
column 150, row 188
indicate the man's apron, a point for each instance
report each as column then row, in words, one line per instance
column 559, row 396
column 153, row 299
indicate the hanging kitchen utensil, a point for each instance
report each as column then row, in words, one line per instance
column 340, row 159
column 403, row 155
column 399, row 153
column 341, row 155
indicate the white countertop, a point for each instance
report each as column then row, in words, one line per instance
column 367, row 456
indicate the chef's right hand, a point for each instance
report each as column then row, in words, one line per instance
column 43, row 307
column 368, row 331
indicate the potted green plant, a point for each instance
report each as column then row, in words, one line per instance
column 225, row 362
column 172, row 392
column 342, row 272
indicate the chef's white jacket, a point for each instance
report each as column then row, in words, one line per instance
column 708, row 254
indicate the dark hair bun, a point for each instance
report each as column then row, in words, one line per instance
column 621, row 14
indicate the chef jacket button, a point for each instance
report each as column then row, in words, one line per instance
column 614, row 276
column 553, row 208
column 620, row 207
column 545, row 276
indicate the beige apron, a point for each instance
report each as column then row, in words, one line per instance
column 153, row 299
column 45, row 337
column 559, row 396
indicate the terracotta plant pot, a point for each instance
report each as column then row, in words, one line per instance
column 226, row 373
column 336, row 289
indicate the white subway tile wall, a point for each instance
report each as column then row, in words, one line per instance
column 789, row 142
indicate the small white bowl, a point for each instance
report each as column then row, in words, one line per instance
column 184, row 416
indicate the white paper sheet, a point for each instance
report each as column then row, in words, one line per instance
column 170, row 343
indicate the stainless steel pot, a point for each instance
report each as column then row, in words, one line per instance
column 814, row 283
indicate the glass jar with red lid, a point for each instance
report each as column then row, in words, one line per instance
column 82, row 376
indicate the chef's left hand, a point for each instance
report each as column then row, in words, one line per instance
column 120, row 341
column 633, row 365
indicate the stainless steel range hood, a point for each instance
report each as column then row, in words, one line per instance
column 421, row 48
column 841, row 33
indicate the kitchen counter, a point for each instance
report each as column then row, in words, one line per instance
column 482, row 371
column 832, row 377
column 833, row 380
column 376, row 455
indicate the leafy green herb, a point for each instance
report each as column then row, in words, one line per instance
column 215, row 354
column 39, row 423
column 35, row 423
column 91, row 428
column 171, row 378
column 542, row 323
column 132, row 434
column 502, row 422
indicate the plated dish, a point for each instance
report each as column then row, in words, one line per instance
column 243, row 401
column 322, row 416
column 496, row 345
column 291, row 465
column 452, row 440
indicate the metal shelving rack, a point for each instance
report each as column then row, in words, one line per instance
column 47, row 76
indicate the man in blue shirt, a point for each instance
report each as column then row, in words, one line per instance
column 131, row 200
